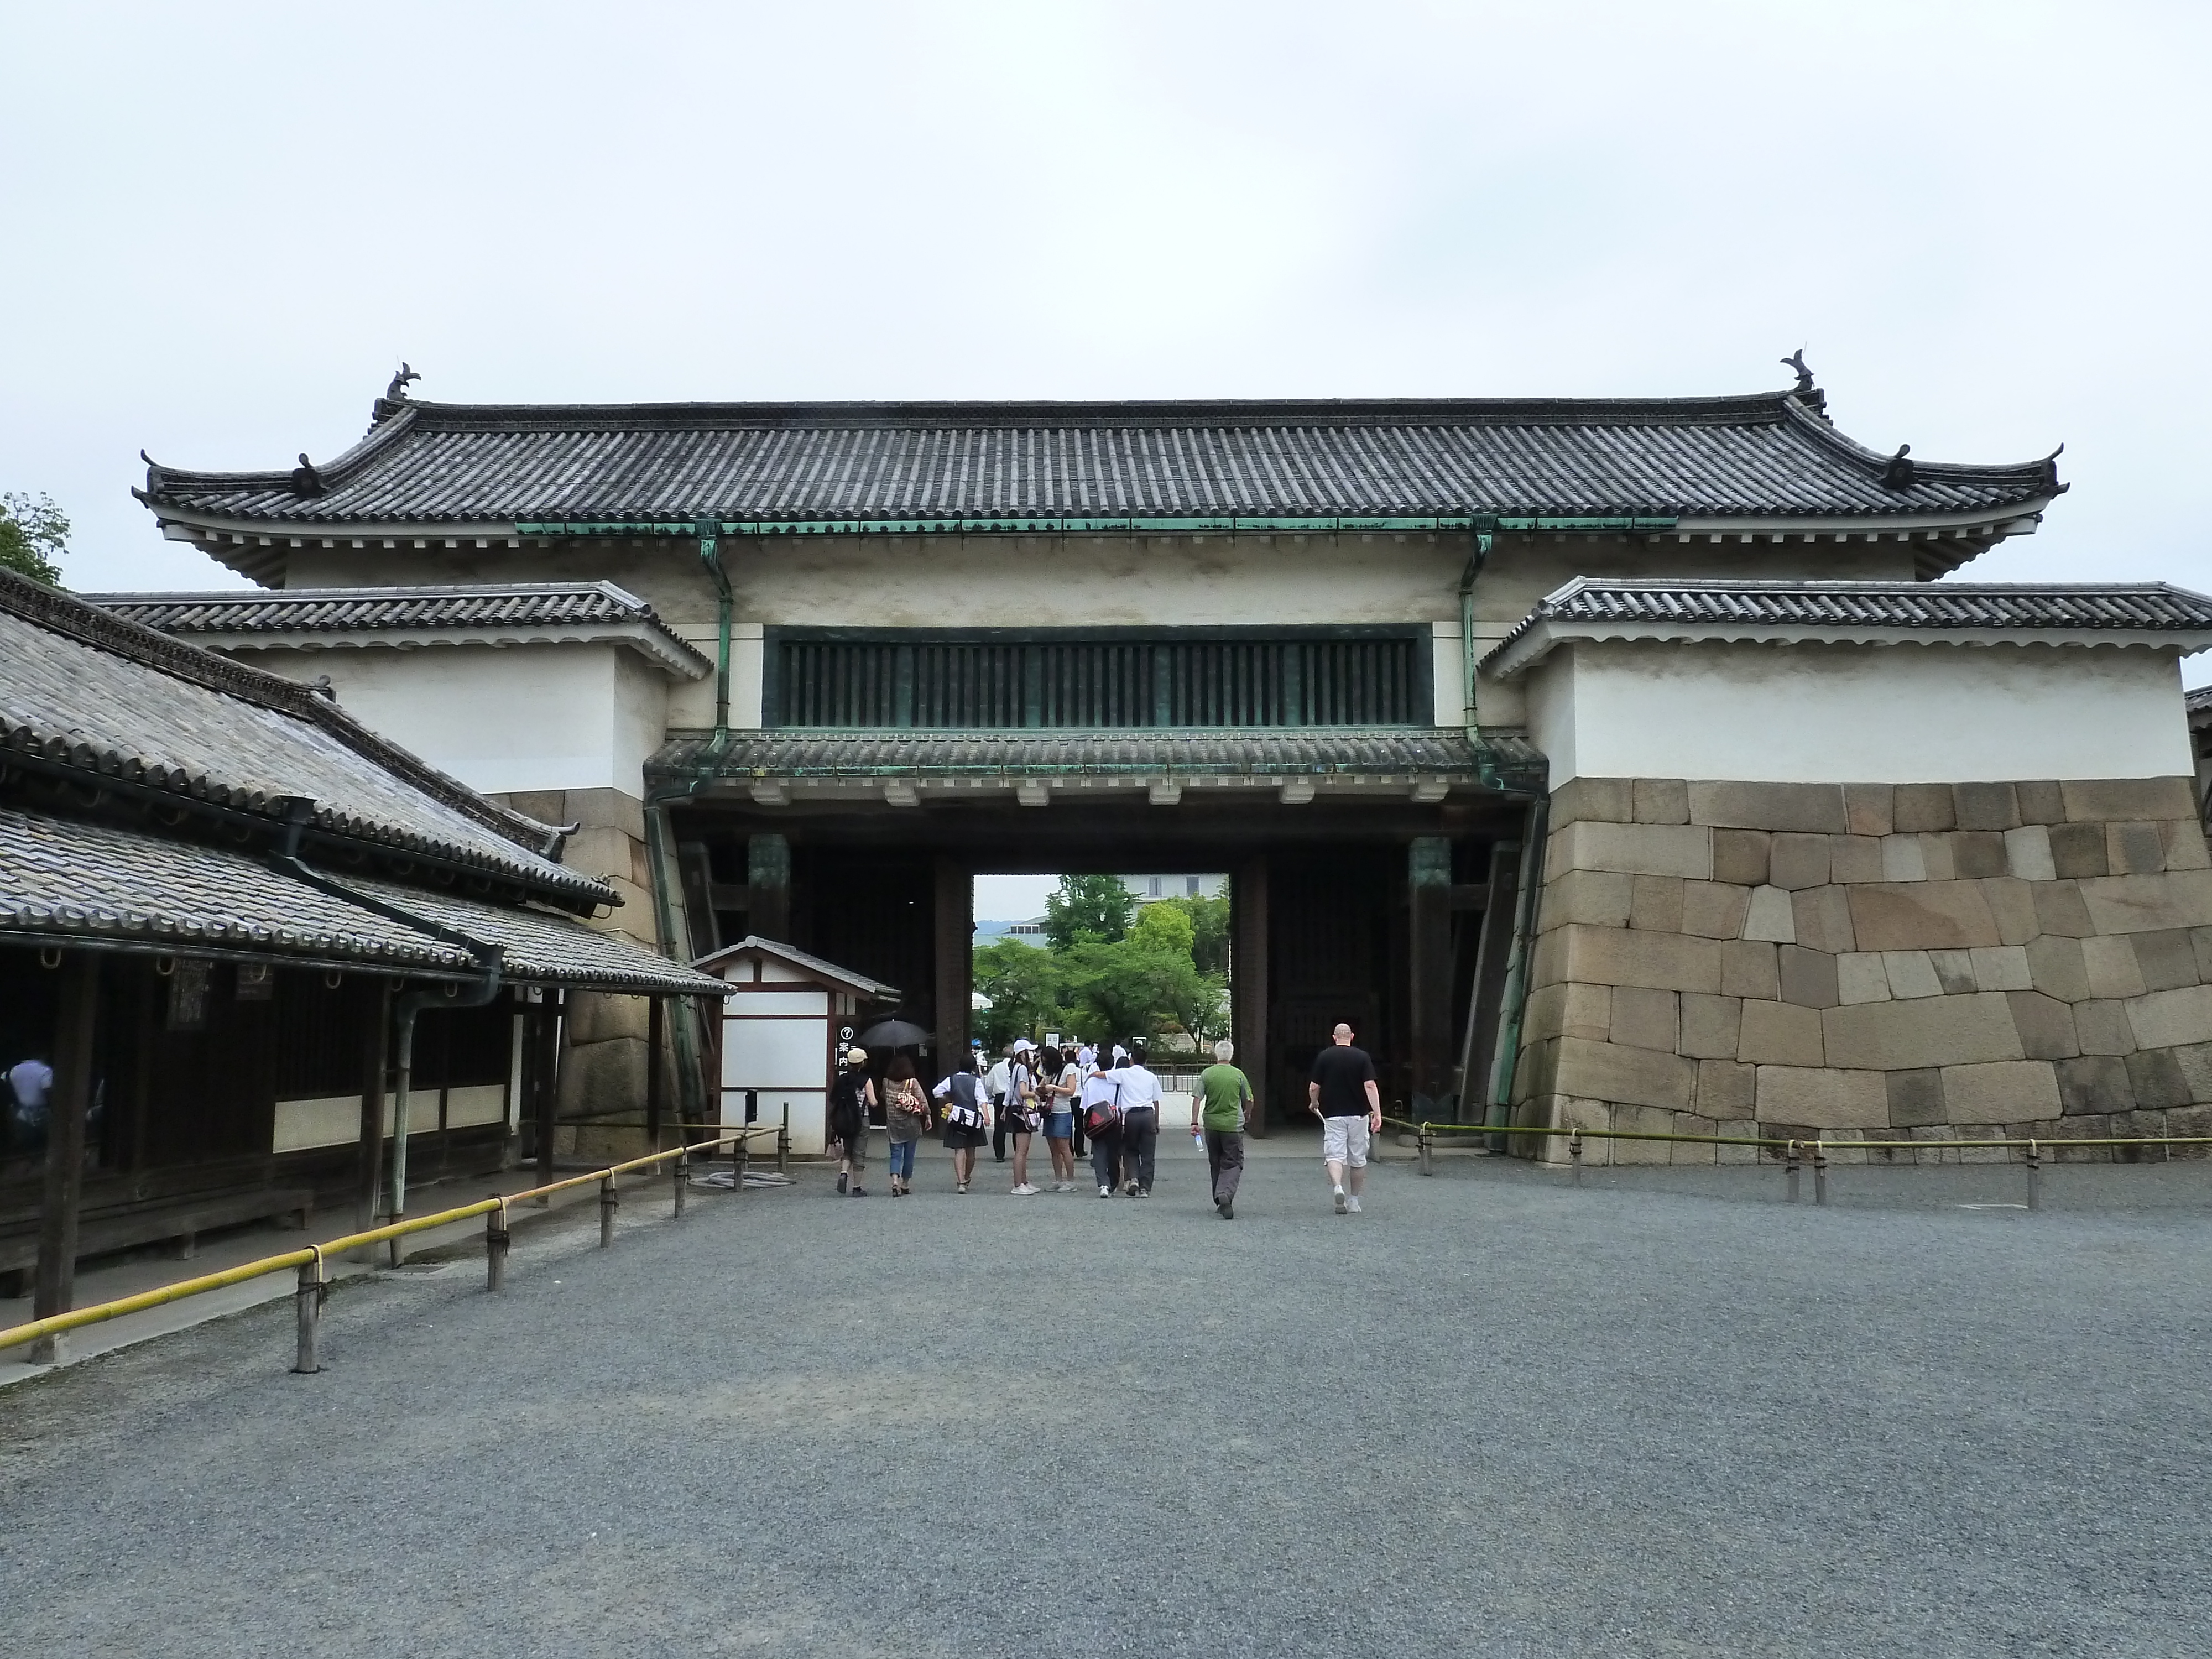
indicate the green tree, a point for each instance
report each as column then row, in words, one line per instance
column 1209, row 926
column 1163, row 927
column 34, row 536
column 1093, row 909
column 1023, row 983
column 1138, row 989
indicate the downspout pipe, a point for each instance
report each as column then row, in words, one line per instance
column 710, row 554
column 488, row 959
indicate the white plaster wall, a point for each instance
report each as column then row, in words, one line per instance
column 501, row 718
column 1831, row 713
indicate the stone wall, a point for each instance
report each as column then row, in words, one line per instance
column 1870, row 961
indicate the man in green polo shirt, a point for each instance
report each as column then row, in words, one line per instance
column 1217, row 1107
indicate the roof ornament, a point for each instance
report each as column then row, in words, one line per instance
column 1796, row 360
column 2050, row 484
column 305, row 481
column 321, row 687
column 1898, row 475
column 397, row 392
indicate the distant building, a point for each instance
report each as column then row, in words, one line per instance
column 1150, row 890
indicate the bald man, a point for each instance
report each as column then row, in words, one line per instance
column 1340, row 1091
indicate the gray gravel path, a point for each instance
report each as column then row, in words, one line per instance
column 1491, row 1416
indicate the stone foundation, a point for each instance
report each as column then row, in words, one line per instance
column 1870, row 962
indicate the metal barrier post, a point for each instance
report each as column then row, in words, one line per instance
column 738, row 1159
column 496, row 1242
column 1819, row 1171
column 1789, row 1169
column 607, row 1203
column 1575, row 1157
column 783, row 1142
column 683, row 1177
column 307, row 1300
column 2034, row 1175
column 1427, row 1143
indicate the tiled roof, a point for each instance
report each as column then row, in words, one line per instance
column 105, row 697
column 69, row 879
column 519, row 608
column 1763, row 456
column 1407, row 752
column 1838, row 608
column 875, row 990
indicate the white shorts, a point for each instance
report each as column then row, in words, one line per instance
column 1344, row 1141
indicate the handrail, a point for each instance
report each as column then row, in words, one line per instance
column 1800, row 1141
column 314, row 1254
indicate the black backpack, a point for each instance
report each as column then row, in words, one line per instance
column 848, row 1104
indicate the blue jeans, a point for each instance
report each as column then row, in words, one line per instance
column 903, row 1159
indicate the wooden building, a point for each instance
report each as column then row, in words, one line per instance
column 1385, row 662
column 232, row 921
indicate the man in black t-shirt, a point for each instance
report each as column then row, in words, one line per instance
column 1340, row 1091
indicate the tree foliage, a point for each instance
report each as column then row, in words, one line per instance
column 1209, row 926
column 1093, row 909
column 1106, row 976
column 34, row 536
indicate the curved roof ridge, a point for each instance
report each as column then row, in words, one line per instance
column 338, row 471
column 1816, row 424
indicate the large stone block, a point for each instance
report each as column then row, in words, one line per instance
column 1646, row 1019
column 2185, row 847
column 2042, row 802
column 1582, row 1011
column 1712, row 909
column 1986, row 806
column 2094, row 1083
column 2059, row 908
column 1921, row 916
column 1690, row 1123
column 2135, row 849
column 2111, row 800
column 2196, row 1063
column 1603, row 800
column 1871, row 809
column 2167, row 957
column 1811, row 807
column 2002, row 1091
column 1710, row 1025
column 2046, row 1026
column 1916, row 1097
column 1808, row 977
column 1954, row 971
column 602, row 850
column 1742, row 857
column 1600, row 898
column 1655, row 903
column 1896, row 1037
column 1924, row 807
column 1779, row 1033
column 1635, row 1077
column 1661, row 801
column 599, row 1078
column 546, row 805
column 2113, row 968
column 1747, row 968
column 1819, row 1097
column 1769, row 916
column 1977, row 852
column 1798, row 860
column 2078, row 850
column 2028, row 853
column 1860, row 977
column 1821, row 919
column 2102, row 1028
column 2055, row 968
column 1912, row 974
column 1902, row 859
column 1620, row 955
column 1635, row 849
column 597, row 1017
column 2012, row 906
column 1727, row 1089
column 1854, row 858
column 2167, row 1019
column 1936, row 861
column 1629, row 1119
column 2156, row 1078
column 2004, row 969
column 2143, row 904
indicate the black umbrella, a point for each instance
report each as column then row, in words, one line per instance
column 893, row 1034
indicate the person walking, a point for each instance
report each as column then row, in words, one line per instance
column 1101, row 1111
column 998, row 1082
column 1217, row 1110
column 906, row 1110
column 1059, row 1082
column 1018, row 1117
column 967, row 1119
column 1140, row 1123
column 851, row 1104
column 1340, row 1091
column 1086, row 1061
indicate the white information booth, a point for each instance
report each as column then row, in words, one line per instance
column 781, row 1032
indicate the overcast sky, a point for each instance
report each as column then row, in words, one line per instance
column 1984, row 223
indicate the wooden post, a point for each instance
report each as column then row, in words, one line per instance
column 55, row 1287
column 368, row 1168
column 654, row 1073
column 1248, row 979
column 767, row 887
column 954, row 907
column 548, row 1091
column 1428, row 949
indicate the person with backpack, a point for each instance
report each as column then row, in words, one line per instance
column 851, row 1104
column 906, row 1110
column 1218, row 1109
column 967, row 1119
column 1102, row 1122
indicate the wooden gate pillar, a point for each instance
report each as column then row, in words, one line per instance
column 954, row 911
column 368, row 1169
column 768, row 888
column 1248, row 979
column 1428, row 939
column 54, row 1289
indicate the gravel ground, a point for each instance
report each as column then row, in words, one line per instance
column 1664, row 1415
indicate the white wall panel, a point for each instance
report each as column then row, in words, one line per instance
column 774, row 1053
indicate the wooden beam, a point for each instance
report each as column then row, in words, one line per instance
column 655, row 1023
column 1429, row 978
column 1248, row 979
column 954, row 910
column 546, row 1090
column 369, row 1172
column 55, row 1287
